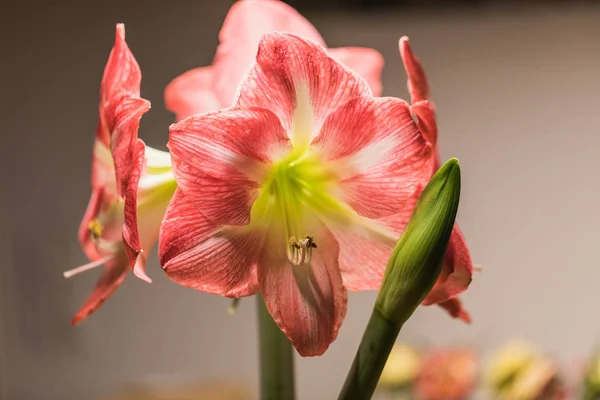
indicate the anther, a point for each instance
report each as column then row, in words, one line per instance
column 96, row 228
column 300, row 251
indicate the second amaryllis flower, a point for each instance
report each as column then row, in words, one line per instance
column 131, row 183
column 280, row 193
column 458, row 267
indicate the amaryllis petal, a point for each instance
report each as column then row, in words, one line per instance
column 197, row 253
column 366, row 62
column 455, row 308
column 124, row 114
column 457, row 272
column 114, row 274
column 131, row 236
column 296, row 79
column 307, row 301
column 424, row 112
column 458, row 267
column 245, row 24
column 219, row 157
column 121, row 74
column 417, row 82
column 381, row 154
column 363, row 260
column 192, row 93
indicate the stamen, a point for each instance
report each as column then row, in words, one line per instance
column 300, row 251
column 87, row 267
column 96, row 228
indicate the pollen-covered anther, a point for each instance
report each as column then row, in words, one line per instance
column 300, row 251
column 96, row 228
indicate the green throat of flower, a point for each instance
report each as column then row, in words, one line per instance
column 297, row 195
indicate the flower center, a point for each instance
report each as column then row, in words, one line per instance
column 293, row 194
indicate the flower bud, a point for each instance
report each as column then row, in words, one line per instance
column 411, row 272
column 417, row 259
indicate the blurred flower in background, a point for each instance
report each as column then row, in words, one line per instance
column 518, row 371
column 401, row 369
column 447, row 374
column 590, row 389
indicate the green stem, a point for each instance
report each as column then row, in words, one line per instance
column 276, row 358
column 372, row 354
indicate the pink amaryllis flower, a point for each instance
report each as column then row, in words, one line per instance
column 299, row 191
column 447, row 374
column 458, row 267
column 129, row 180
column 213, row 87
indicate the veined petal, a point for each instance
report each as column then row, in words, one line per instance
column 123, row 115
column 377, row 152
column 363, row 260
column 121, row 74
column 218, row 159
column 197, row 253
column 114, row 274
column 417, row 82
column 424, row 111
column 245, row 24
column 457, row 270
column 307, row 301
column 192, row 93
column 296, row 79
column 131, row 236
column 366, row 62
column 455, row 308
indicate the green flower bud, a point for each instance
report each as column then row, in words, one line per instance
column 417, row 259
column 412, row 270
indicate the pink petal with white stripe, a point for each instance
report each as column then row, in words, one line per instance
column 308, row 302
column 218, row 158
column 378, row 153
column 363, row 260
column 296, row 79
column 197, row 253
column 245, row 24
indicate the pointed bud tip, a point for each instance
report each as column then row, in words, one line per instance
column 449, row 170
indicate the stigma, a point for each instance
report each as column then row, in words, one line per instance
column 300, row 251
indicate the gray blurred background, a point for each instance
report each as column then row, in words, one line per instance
column 517, row 88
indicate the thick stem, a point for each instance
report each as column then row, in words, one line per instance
column 375, row 346
column 276, row 358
